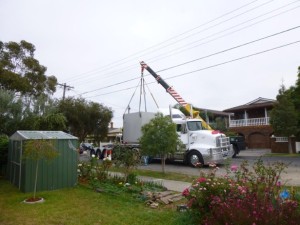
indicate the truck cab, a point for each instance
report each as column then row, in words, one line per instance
column 201, row 146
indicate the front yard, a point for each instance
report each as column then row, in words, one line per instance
column 80, row 205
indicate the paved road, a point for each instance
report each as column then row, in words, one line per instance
column 291, row 175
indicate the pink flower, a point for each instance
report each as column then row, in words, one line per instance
column 234, row 168
column 186, row 192
column 201, row 179
column 278, row 184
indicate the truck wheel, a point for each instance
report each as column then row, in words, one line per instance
column 92, row 152
column 98, row 153
column 235, row 151
column 103, row 153
column 194, row 158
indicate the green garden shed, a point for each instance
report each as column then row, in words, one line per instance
column 61, row 172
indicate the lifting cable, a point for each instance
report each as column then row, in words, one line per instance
column 141, row 84
column 128, row 106
column 152, row 95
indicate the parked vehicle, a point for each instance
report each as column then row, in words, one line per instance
column 87, row 147
column 238, row 143
column 203, row 145
column 105, row 151
column 98, row 152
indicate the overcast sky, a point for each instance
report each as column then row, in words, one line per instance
column 95, row 46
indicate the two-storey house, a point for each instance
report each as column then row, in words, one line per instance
column 251, row 120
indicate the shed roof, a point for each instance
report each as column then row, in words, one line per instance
column 36, row 134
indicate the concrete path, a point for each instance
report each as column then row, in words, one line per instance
column 171, row 185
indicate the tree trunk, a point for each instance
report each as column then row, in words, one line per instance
column 163, row 163
column 290, row 146
column 36, row 176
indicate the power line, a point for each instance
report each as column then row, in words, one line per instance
column 208, row 67
column 164, row 55
column 229, row 49
column 203, row 57
column 174, row 37
column 167, row 54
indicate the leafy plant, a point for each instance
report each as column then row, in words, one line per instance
column 126, row 158
column 93, row 172
column 3, row 149
column 39, row 149
column 159, row 138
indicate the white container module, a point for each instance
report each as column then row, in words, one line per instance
column 132, row 124
column 297, row 147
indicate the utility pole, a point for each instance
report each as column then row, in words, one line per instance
column 65, row 86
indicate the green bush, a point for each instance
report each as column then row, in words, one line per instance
column 91, row 172
column 3, row 149
column 128, row 159
column 95, row 175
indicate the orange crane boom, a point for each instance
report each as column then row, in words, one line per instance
column 174, row 94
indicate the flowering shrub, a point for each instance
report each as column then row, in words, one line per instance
column 92, row 171
column 243, row 196
column 128, row 159
column 95, row 174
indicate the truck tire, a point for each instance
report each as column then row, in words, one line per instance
column 103, row 153
column 195, row 157
column 98, row 153
column 235, row 151
column 92, row 152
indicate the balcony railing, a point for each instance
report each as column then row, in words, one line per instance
column 250, row 122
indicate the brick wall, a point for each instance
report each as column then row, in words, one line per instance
column 255, row 136
column 282, row 147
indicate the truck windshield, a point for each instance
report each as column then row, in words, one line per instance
column 194, row 125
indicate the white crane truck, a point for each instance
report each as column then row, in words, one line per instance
column 202, row 144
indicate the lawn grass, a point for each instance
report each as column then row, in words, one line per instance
column 80, row 205
column 282, row 155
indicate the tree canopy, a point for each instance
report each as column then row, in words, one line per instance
column 85, row 117
column 159, row 137
column 295, row 97
column 283, row 115
column 21, row 72
column 40, row 114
